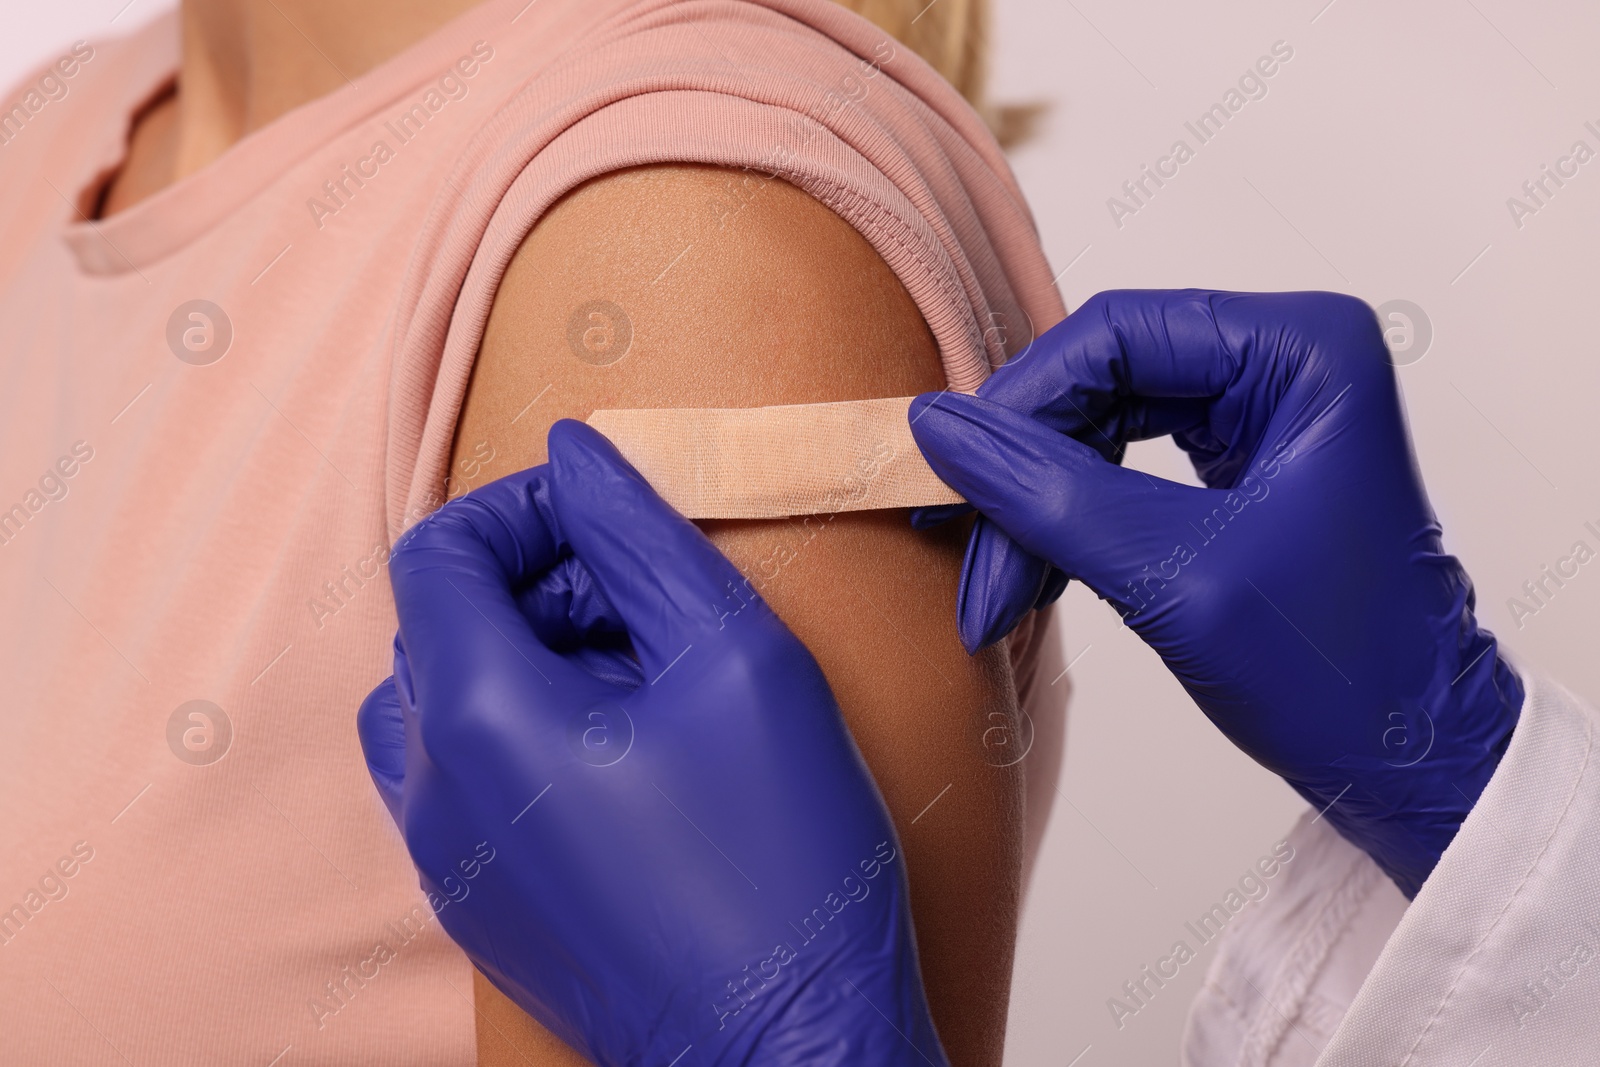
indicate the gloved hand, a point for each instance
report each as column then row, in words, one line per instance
column 1304, row 599
column 687, row 854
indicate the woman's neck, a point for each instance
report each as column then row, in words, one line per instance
column 245, row 62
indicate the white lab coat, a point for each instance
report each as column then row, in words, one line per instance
column 1496, row 963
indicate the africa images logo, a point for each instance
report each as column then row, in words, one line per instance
column 1138, row 191
column 51, row 86
column 340, row 190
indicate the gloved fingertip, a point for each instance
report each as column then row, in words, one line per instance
column 380, row 725
column 1000, row 584
column 929, row 409
column 920, row 404
column 927, row 518
column 571, row 443
column 971, row 639
column 982, row 624
column 1055, row 583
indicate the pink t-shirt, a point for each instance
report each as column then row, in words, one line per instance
column 219, row 407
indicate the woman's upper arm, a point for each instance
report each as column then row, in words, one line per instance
column 692, row 286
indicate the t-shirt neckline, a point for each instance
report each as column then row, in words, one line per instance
column 176, row 215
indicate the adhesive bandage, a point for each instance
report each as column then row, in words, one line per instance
column 771, row 462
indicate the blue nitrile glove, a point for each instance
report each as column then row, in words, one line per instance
column 683, row 861
column 1304, row 599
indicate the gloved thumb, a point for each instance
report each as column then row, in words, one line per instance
column 382, row 730
column 1057, row 498
column 666, row 579
column 1001, row 583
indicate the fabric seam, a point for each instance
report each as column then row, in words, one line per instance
column 1588, row 751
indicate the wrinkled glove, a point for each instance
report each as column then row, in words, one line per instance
column 1304, row 598
column 647, row 824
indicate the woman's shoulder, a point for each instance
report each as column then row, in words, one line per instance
column 802, row 94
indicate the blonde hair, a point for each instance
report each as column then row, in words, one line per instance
column 953, row 36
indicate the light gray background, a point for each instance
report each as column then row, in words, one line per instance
column 1379, row 163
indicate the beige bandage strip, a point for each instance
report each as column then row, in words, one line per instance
column 771, row 462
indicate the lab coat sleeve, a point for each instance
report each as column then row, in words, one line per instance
column 1496, row 962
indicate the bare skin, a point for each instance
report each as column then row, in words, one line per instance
column 770, row 298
